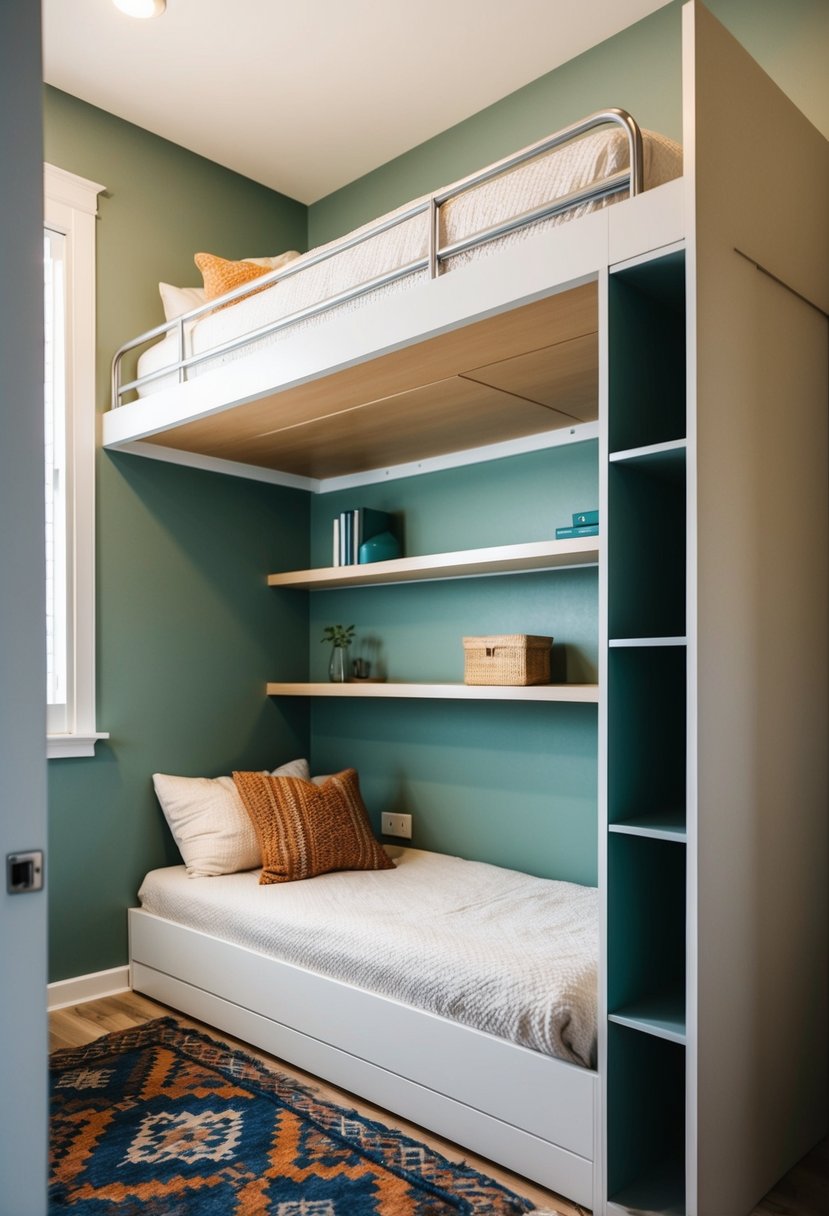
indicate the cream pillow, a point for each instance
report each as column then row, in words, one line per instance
column 179, row 300
column 213, row 831
column 275, row 263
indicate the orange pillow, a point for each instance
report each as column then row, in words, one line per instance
column 306, row 829
column 220, row 275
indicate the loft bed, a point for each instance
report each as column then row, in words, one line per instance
column 237, row 379
column 573, row 323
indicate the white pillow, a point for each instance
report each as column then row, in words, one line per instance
column 210, row 825
column 179, row 300
column 274, row 263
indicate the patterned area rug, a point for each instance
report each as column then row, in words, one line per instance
column 163, row 1120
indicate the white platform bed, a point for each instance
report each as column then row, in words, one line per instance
column 443, row 989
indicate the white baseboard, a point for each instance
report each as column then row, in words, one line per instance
column 88, row 987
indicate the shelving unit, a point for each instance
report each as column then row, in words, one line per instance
column 645, row 803
column 530, row 557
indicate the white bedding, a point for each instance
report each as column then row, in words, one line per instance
column 501, row 951
column 547, row 177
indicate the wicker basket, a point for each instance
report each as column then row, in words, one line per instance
column 507, row 658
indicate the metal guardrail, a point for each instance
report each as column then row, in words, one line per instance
column 630, row 180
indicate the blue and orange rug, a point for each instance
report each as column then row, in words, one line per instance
column 161, row 1120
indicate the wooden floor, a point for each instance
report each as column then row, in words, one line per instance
column 803, row 1192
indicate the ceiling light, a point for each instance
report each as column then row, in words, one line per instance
column 141, row 8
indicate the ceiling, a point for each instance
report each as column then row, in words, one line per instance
column 305, row 97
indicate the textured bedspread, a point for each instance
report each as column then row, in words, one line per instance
column 547, row 177
column 494, row 949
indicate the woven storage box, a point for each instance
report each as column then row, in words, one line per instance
column 507, row 658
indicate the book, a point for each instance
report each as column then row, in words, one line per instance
column 346, row 527
column 336, row 556
column 367, row 522
column 582, row 519
column 574, row 532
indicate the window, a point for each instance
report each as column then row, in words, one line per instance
column 70, row 208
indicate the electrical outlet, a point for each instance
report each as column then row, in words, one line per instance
column 396, row 825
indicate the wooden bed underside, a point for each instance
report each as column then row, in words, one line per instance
column 520, row 373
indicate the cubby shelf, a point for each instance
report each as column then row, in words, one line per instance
column 466, row 563
column 655, row 456
column 668, row 824
column 585, row 693
column 662, row 1015
column 661, row 641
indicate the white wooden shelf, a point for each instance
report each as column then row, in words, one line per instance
column 466, row 563
column 654, row 454
column 627, row 643
column 668, row 823
column 663, row 1016
column 462, row 692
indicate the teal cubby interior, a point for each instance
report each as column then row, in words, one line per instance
column 646, row 1123
column 512, row 784
column 646, row 926
column 647, row 353
column 646, row 734
column 646, row 551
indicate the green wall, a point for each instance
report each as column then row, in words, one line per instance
column 639, row 70
column 188, row 632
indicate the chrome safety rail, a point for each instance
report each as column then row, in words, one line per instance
column 630, row 180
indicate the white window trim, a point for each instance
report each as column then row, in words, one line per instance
column 71, row 207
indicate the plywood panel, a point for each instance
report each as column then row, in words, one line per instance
column 564, row 377
column 553, row 322
column 438, row 418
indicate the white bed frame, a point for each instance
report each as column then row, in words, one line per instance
column 530, row 1112
column 756, row 249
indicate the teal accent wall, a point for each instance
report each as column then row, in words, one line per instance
column 188, row 632
column 638, row 69
column 511, row 784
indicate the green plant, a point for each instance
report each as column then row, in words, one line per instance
column 339, row 636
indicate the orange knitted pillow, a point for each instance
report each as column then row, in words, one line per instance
column 306, row 829
column 220, row 275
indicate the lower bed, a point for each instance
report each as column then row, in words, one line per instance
column 457, row 994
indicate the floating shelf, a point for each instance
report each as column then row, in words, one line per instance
column 462, row 692
column 467, row 563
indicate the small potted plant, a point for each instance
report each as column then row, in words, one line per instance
column 340, row 638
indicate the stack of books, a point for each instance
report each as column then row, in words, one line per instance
column 585, row 523
column 352, row 528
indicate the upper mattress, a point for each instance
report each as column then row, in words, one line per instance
column 497, row 950
column 530, row 185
